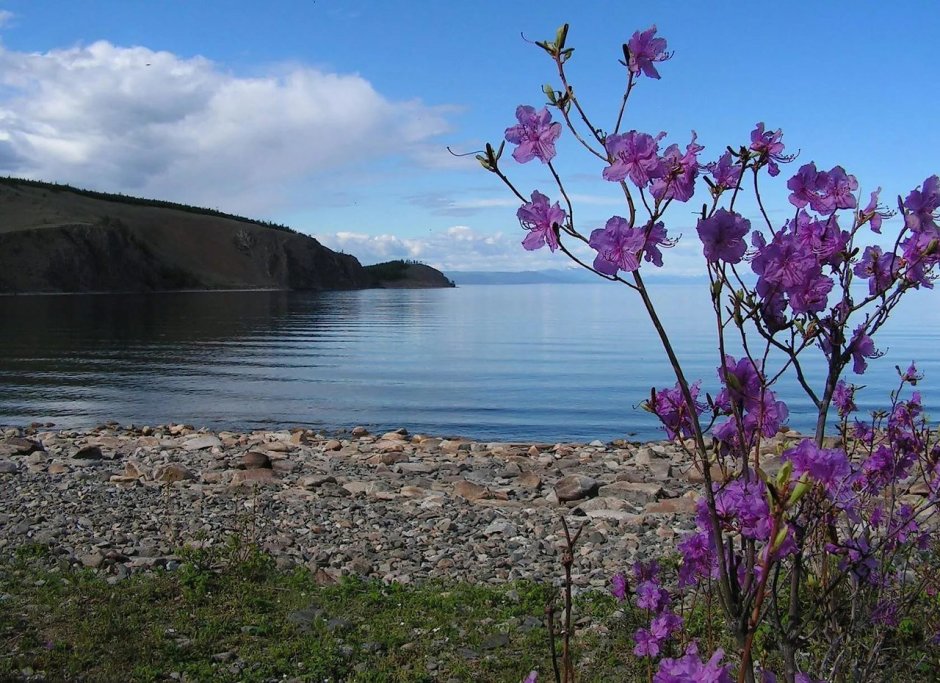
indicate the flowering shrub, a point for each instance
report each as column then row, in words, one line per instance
column 831, row 539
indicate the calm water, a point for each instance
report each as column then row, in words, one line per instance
column 540, row 362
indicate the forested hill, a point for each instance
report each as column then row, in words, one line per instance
column 55, row 238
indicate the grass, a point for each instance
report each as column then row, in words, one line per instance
column 250, row 622
column 229, row 615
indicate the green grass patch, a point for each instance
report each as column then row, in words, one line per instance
column 248, row 622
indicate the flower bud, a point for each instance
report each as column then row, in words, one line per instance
column 780, row 538
column 783, row 476
column 549, row 93
column 560, row 36
column 798, row 491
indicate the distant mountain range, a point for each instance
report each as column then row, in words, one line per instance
column 570, row 276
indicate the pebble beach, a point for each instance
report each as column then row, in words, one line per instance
column 396, row 507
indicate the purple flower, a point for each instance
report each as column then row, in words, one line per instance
column 742, row 507
column 698, row 558
column 618, row 246
column 843, row 397
column 911, row 375
column 768, row 147
column 650, row 596
column 634, row 155
column 823, row 238
column 921, row 254
column 647, row 645
column 532, row 677
column 645, row 571
column 824, row 191
column 618, row 587
column 803, row 185
column 787, row 267
column 878, row 268
column 542, row 221
column 664, row 625
column 645, row 51
column 922, row 204
column 873, row 213
column 535, row 134
column 725, row 173
column 670, row 407
column 678, row 181
column 812, row 295
column 691, row 669
column 655, row 237
column 829, row 466
column 861, row 347
column 722, row 236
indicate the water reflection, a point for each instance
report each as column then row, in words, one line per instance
column 524, row 362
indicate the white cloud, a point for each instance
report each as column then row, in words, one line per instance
column 152, row 123
column 6, row 16
column 463, row 248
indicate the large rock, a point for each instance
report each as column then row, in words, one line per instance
column 576, row 487
column 88, row 453
column 470, row 491
column 199, row 442
column 253, row 477
column 20, row 446
column 172, row 473
column 639, row 493
column 254, row 460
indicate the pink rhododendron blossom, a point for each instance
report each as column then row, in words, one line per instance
column 618, row 246
column 878, row 268
column 769, row 148
column 823, row 191
column 647, row 645
column 655, row 237
column 922, row 205
column 651, row 596
column 828, row 466
column 722, row 236
column 725, row 173
column 873, row 212
column 678, row 180
column 691, row 669
column 618, row 586
column 843, row 398
column 670, row 407
column 645, row 50
column 541, row 220
column 861, row 347
column 921, row 254
column 535, row 134
column 698, row 558
column 634, row 155
column 741, row 507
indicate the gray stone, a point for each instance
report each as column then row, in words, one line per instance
column 575, row 487
column 253, row 460
column 88, row 453
column 639, row 493
column 200, row 442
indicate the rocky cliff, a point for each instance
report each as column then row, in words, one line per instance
column 54, row 238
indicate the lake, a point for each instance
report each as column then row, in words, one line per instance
column 520, row 363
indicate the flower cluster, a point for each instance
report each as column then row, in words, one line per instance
column 838, row 516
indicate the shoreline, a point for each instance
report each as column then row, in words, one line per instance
column 395, row 506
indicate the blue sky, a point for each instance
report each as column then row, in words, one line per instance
column 333, row 117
